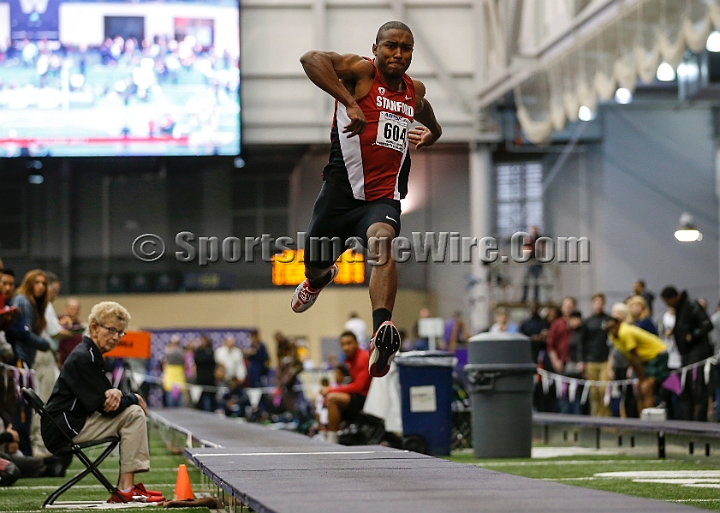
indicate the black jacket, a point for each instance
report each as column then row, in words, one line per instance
column 594, row 345
column 79, row 392
column 692, row 319
column 205, row 365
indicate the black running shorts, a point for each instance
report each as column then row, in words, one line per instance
column 343, row 218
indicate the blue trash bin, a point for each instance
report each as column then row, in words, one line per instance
column 426, row 397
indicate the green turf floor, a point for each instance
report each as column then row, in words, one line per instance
column 28, row 495
column 584, row 471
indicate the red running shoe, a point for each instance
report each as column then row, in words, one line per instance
column 305, row 296
column 135, row 495
column 145, row 491
column 383, row 347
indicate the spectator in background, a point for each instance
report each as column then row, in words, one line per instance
column 358, row 327
column 7, row 284
column 348, row 399
column 189, row 357
column 421, row 343
column 31, row 300
column 258, row 360
column 502, row 322
column 692, row 326
column 205, row 374
column 534, row 267
column 703, row 302
column 230, row 356
column 535, row 328
column 639, row 314
column 72, row 324
column 647, row 356
column 573, row 367
column 288, row 369
column 669, row 395
column 9, row 315
column 174, row 373
column 715, row 333
column 594, row 352
column 456, row 333
column 619, row 368
column 235, row 400
column 558, row 340
column 640, row 290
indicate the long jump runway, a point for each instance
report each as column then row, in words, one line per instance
column 282, row 472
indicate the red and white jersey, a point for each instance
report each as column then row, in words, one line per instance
column 376, row 163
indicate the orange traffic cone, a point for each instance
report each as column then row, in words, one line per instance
column 183, row 490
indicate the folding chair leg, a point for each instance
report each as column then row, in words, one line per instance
column 90, row 467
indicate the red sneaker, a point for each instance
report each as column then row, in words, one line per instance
column 305, row 296
column 134, row 495
column 383, row 347
column 145, row 491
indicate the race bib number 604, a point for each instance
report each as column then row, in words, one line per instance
column 392, row 131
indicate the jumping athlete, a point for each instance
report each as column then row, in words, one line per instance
column 368, row 170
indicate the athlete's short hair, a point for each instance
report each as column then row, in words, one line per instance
column 392, row 25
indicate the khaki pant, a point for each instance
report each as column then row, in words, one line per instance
column 597, row 372
column 130, row 426
column 46, row 372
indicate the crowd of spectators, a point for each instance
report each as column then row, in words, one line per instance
column 625, row 344
column 32, row 336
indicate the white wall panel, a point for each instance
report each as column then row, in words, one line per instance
column 448, row 32
column 278, row 100
column 274, row 39
column 353, row 30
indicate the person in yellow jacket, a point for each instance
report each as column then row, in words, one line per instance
column 174, row 373
column 646, row 354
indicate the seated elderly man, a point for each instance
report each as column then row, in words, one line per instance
column 86, row 407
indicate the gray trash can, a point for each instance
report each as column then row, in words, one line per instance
column 500, row 378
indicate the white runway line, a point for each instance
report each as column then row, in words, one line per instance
column 563, row 462
column 692, row 500
column 198, row 456
column 663, row 474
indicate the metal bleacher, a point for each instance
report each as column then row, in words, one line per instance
column 662, row 439
column 275, row 471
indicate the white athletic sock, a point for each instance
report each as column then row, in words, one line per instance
column 127, row 490
column 331, row 436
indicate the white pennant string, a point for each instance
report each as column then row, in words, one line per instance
column 195, row 393
column 683, row 376
column 585, row 394
column 572, row 390
column 254, row 394
column 545, row 380
column 708, row 366
column 607, row 397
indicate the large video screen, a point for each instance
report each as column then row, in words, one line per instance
column 126, row 77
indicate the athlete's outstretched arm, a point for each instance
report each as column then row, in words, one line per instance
column 431, row 131
column 329, row 71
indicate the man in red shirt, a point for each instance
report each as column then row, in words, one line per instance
column 348, row 398
column 558, row 339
